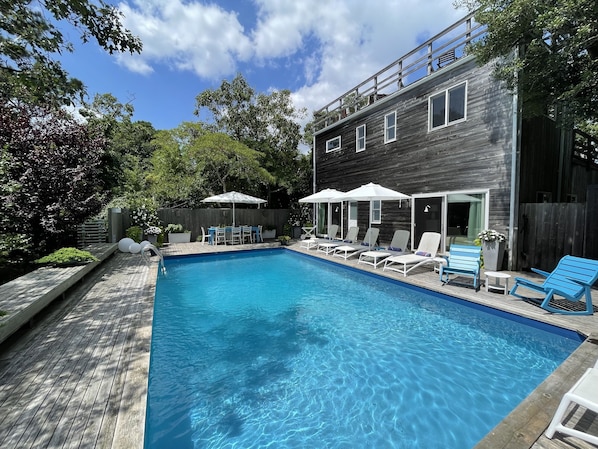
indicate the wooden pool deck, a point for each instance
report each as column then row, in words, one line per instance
column 77, row 377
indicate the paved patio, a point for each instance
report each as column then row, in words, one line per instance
column 78, row 377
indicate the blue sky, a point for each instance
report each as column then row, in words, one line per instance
column 318, row 49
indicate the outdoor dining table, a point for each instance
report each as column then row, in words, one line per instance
column 255, row 231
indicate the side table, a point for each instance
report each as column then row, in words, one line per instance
column 497, row 286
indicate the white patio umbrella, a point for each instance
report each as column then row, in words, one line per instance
column 233, row 197
column 373, row 192
column 324, row 196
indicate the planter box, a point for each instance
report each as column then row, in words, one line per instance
column 493, row 255
column 269, row 234
column 179, row 237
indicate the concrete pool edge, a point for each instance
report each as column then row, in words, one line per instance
column 525, row 425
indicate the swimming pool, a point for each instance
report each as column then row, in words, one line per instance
column 277, row 349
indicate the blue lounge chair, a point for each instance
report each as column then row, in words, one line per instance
column 572, row 279
column 463, row 260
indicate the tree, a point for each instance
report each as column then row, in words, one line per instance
column 176, row 175
column 191, row 163
column 267, row 123
column 229, row 162
column 129, row 143
column 52, row 174
column 29, row 39
column 547, row 49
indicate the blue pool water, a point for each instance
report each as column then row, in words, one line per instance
column 280, row 350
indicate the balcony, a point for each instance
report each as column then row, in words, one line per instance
column 433, row 55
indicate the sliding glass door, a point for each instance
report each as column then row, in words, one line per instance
column 457, row 216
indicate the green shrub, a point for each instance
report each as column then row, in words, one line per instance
column 68, row 256
column 135, row 233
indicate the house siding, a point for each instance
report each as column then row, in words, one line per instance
column 473, row 154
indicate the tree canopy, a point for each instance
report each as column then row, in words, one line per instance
column 191, row 163
column 548, row 49
column 266, row 123
column 30, row 40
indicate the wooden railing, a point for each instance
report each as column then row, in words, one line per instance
column 431, row 56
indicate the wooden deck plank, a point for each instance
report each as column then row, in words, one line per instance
column 68, row 404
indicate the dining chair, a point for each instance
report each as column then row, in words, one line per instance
column 235, row 235
column 258, row 235
column 220, row 236
column 247, row 235
column 204, row 237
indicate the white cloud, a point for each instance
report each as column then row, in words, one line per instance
column 334, row 44
column 204, row 39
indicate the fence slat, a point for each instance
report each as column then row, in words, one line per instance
column 548, row 232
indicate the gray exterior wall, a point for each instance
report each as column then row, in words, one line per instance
column 474, row 154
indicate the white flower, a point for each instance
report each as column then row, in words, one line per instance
column 490, row 235
column 153, row 230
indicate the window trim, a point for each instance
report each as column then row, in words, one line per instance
column 357, row 138
column 445, row 92
column 337, row 148
column 375, row 205
column 386, row 128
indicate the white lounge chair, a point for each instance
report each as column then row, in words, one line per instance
column 425, row 253
column 313, row 242
column 398, row 246
column 399, row 242
column 349, row 250
column 328, row 246
column 584, row 393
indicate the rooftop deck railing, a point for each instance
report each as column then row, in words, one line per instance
column 430, row 57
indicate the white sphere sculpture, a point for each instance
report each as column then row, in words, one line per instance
column 144, row 244
column 134, row 248
column 124, row 244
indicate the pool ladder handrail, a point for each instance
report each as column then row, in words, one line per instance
column 157, row 252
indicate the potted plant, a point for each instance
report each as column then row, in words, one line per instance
column 269, row 232
column 284, row 240
column 152, row 233
column 178, row 234
column 493, row 248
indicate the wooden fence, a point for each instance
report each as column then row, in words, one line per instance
column 548, row 231
column 91, row 232
column 194, row 219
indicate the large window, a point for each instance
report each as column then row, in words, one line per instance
column 448, row 107
column 376, row 211
column 333, row 144
column 360, row 138
column 390, row 127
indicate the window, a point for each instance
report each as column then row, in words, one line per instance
column 390, row 127
column 448, row 107
column 333, row 144
column 360, row 138
column 376, row 211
